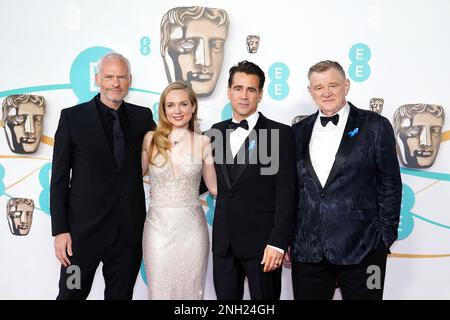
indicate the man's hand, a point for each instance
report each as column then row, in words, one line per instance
column 63, row 247
column 272, row 259
column 287, row 258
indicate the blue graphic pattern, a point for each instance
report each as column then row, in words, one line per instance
column 44, row 181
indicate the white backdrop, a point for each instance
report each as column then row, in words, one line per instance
column 409, row 63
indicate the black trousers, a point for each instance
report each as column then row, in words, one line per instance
column 363, row 281
column 229, row 273
column 121, row 265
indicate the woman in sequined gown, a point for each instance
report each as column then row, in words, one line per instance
column 176, row 240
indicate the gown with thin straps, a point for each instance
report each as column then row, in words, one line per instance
column 176, row 239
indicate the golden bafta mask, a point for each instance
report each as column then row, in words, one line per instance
column 376, row 105
column 19, row 212
column 23, row 121
column 418, row 130
column 252, row 43
column 192, row 46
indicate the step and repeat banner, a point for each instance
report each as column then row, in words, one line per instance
column 396, row 54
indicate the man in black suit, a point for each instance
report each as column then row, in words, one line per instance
column 97, row 201
column 255, row 169
column 349, row 194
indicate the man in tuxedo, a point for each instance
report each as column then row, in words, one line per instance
column 255, row 169
column 349, row 194
column 97, row 201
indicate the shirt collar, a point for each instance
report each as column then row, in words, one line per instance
column 251, row 119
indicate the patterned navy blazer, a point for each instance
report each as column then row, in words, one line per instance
column 360, row 202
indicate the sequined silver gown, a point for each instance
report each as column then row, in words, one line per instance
column 175, row 240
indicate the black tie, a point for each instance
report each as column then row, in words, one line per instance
column 233, row 125
column 334, row 119
column 119, row 139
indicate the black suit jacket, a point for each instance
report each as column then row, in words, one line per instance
column 360, row 202
column 91, row 197
column 257, row 209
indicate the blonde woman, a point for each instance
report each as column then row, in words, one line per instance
column 176, row 240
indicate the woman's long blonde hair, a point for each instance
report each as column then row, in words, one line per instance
column 160, row 140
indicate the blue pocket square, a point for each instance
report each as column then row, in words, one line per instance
column 353, row 133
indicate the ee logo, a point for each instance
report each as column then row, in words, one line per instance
column 145, row 46
column 82, row 72
column 359, row 69
column 278, row 86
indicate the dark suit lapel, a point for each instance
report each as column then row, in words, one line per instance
column 306, row 155
column 249, row 149
column 349, row 137
column 226, row 156
column 134, row 121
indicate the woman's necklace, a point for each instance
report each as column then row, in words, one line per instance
column 177, row 140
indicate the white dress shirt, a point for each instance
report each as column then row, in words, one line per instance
column 237, row 138
column 325, row 143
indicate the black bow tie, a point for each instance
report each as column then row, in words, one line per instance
column 334, row 119
column 233, row 125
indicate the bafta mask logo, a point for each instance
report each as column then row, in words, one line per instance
column 418, row 130
column 376, row 105
column 298, row 119
column 23, row 121
column 19, row 212
column 252, row 43
column 192, row 46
